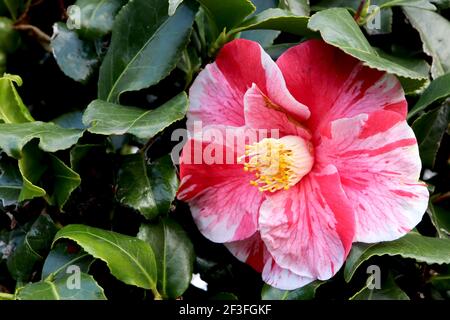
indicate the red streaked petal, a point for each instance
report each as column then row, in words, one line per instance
column 378, row 160
column 223, row 203
column 262, row 113
column 335, row 85
column 254, row 252
column 309, row 228
column 217, row 94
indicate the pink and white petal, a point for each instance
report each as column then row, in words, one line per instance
column 335, row 85
column 262, row 113
column 223, row 203
column 217, row 95
column 309, row 228
column 378, row 160
column 254, row 252
column 281, row 278
column 251, row 251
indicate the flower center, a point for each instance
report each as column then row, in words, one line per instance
column 278, row 164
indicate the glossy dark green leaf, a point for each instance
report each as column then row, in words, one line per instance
column 263, row 37
column 31, row 248
column 414, row 246
column 276, row 19
column 3, row 62
column 64, row 182
column 440, row 217
column 10, row 181
column 97, row 16
column 437, row 90
column 339, row 29
column 12, row 109
column 227, row 14
column 141, row 53
column 354, row 4
column 298, row 7
column 174, row 256
column 304, row 293
column 9, row 38
column 148, row 188
column 13, row 7
column 59, row 289
column 70, row 120
column 388, row 291
column 79, row 152
column 32, row 165
column 129, row 259
column 107, row 118
column 434, row 30
column 76, row 57
column 63, row 256
column 52, row 138
column 429, row 129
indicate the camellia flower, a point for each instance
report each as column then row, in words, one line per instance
column 344, row 168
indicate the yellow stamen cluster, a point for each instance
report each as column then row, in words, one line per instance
column 273, row 164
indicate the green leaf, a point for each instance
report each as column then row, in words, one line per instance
column 141, row 53
column 388, row 291
column 12, row 109
column 9, row 38
column 437, row 90
column 434, row 30
column 174, row 256
column 276, row 19
column 130, row 260
column 227, row 14
column 304, row 293
column 107, row 118
column 429, row 129
column 297, row 7
column 354, row 4
column 70, row 120
column 13, row 137
column 97, row 16
column 339, row 29
column 30, row 247
column 32, row 166
column 10, row 181
column 13, row 7
column 77, row 58
column 414, row 246
column 263, row 37
column 417, row 65
column 3, row 62
column 64, row 180
column 440, row 218
column 79, row 152
column 63, row 256
column 148, row 188
column 59, row 290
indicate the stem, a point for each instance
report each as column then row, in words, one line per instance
column 359, row 10
column 41, row 36
column 156, row 295
column 7, row 296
